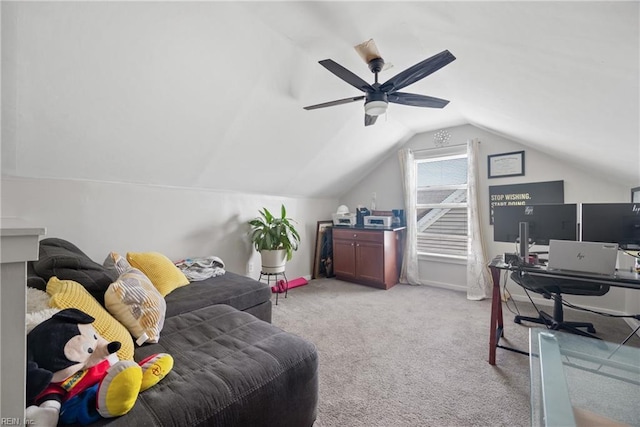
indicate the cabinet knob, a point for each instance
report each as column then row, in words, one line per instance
column 355, row 235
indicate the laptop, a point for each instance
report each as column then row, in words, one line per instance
column 582, row 257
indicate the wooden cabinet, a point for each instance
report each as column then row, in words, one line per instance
column 366, row 256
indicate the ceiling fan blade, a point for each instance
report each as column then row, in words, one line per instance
column 417, row 72
column 336, row 102
column 346, row 75
column 369, row 120
column 416, row 100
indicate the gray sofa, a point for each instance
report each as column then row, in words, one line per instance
column 231, row 366
column 240, row 292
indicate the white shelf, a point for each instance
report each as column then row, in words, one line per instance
column 18, row 244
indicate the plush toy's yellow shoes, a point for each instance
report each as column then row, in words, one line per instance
column 155, row 368
column 119, row 390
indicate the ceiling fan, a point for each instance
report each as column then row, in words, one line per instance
column 377, row 96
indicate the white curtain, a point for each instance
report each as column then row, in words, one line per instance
column 409, row 271
column 478, row 276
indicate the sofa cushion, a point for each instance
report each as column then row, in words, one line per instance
column 238, row 291
column 230, row 369
column 62, row 259
column 70, row 294
column 164, row 275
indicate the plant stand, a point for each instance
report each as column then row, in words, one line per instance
column 275, row 276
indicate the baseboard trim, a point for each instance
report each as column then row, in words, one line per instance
column 538, row 300
column 443, row 285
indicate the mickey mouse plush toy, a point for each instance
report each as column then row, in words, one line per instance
column 74, row 375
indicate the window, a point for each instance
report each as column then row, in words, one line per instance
column 441, row 209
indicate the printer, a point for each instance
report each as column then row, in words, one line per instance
column 343, row 217
column 378, row 221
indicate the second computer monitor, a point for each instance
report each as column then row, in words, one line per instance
column 612, row 223
column 545, row 222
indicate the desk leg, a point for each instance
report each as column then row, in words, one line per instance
column 496, row 315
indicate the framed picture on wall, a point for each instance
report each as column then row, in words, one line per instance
column 635, row 195
column 506, row 164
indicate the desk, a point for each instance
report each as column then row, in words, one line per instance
column 623, row 279
column 575, row 380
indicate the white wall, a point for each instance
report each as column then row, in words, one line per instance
column 194, row 94
column 579, row 186
column 100, row 217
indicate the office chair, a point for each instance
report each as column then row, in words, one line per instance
column 551, row 287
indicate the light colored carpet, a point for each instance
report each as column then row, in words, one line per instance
column 413, row 355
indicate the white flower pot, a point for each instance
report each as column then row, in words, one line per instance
column 273, row 261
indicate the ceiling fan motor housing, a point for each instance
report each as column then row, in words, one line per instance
column 376, row 64
column 376, row 96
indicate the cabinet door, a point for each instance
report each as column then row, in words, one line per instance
column 344, row 259
column 370, row 262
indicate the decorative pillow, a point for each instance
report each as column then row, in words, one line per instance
column 135, row 302
column 163, row 273
column 70, row 294
column 64, row 260
column 116, row 262
column 35, row 281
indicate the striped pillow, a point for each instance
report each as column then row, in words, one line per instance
column 116, row 263
column 136, row 303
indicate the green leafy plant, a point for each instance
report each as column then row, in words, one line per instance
column 272, row 233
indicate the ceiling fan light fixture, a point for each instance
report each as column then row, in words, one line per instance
column 375, row 108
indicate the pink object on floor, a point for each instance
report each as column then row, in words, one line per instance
column 282, row 286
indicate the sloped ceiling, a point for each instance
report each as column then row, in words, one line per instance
column 210, row 94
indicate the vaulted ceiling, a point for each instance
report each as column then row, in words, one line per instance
column 211, row 94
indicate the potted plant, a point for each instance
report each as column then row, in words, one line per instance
column 275, row 238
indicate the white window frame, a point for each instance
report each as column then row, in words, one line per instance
column 447, row 153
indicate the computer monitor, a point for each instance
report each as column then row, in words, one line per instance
column 612, row 223
column 545, row 222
